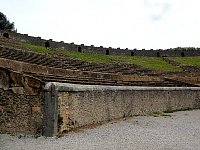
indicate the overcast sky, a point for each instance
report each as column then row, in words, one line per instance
column 109, row 23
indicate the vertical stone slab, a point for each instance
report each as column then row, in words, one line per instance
column 4, row 79
column 51, row 111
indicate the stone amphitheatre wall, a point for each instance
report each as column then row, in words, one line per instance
column 25, row 106
column 31, row 106
column 77, row 106
column 98, row 50
column 28, row 105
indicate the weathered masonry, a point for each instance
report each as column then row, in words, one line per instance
column 31, row 106
column 21, row 103
column 48, row 96
column 71, row 106
column 93, row 49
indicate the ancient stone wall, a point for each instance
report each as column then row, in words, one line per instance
column 21, row 103
column 83, row 105
column 193, row 80
column 24, row 67
column 99, row 50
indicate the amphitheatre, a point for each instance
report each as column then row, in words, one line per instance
column 50, row 88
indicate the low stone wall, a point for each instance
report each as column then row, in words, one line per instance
column 21, row 103
column 81, row 105
column 27, row 106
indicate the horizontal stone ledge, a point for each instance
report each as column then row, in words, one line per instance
column 24, row 67
column 78, row 87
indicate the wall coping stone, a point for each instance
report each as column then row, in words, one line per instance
column 77, row 87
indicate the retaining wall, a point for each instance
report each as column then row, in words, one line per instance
column 27, row 107
column 99, row 50
column 21, row 103
column 82, row 105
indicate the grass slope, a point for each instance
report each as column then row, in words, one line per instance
column 195, row 61
column 152, row 63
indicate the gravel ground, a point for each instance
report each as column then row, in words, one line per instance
column 180, row 131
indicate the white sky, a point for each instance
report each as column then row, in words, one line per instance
column 109, row 23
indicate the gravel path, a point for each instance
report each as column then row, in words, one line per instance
column 180, row 131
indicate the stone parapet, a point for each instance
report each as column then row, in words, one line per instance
column 99, row 50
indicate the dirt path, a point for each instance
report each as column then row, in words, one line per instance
column 180, row 130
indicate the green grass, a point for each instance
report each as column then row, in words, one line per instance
column 152, row 63
column 38, row 49
column 195, row 61
column 90, row 57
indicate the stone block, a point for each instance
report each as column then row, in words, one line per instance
column 4, row 80
column 33, row 82
column 32, row 86
column 18, row 90
column 16, row 79
column 36, row 109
